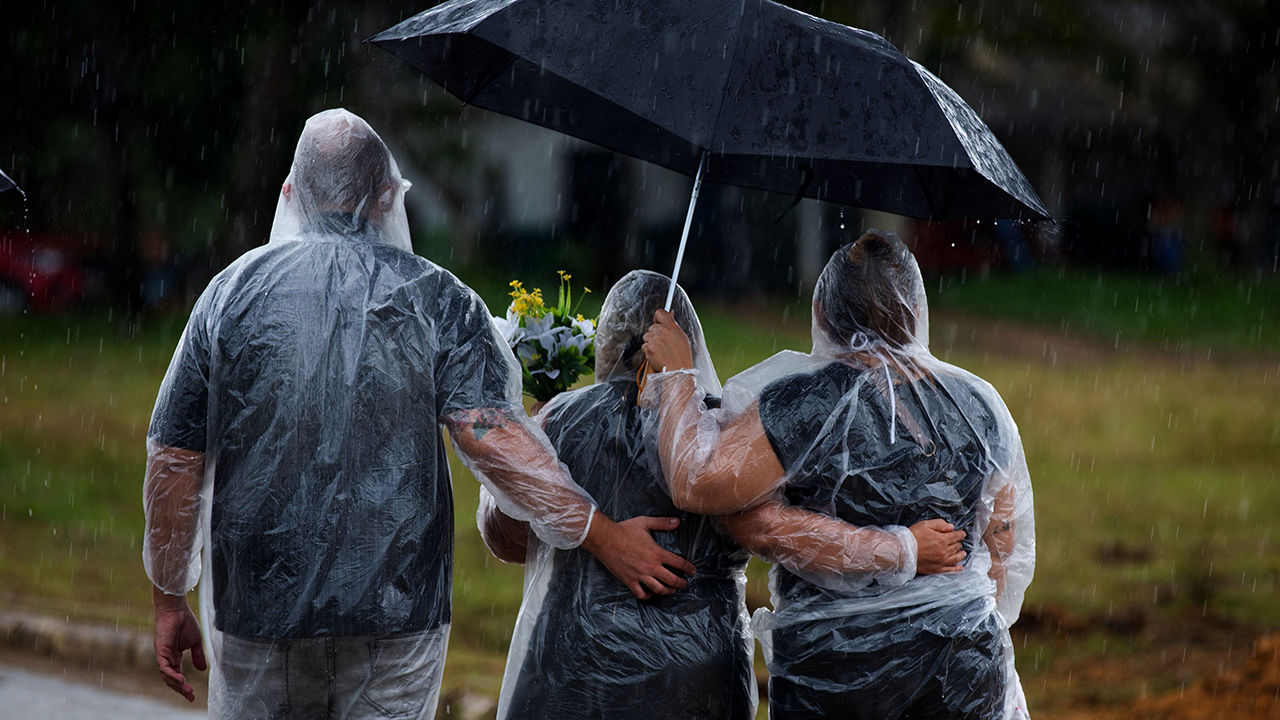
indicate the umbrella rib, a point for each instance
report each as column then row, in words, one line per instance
column 733, row 59
column 924, row 190
column 489, row 77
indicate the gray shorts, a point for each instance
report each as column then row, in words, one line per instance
column 362, row 678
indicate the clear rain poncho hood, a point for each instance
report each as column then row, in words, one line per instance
column 343, row 181
column 584, row 647
column 871, row 429
column 296, row 467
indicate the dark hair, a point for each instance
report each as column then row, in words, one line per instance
column 626, row 316
column 343, row 170
column 871, row 286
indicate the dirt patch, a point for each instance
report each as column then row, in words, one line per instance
column 1130, row 662
column 1246, row 691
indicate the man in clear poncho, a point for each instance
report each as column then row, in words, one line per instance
column 869, row 428
column 295, row 464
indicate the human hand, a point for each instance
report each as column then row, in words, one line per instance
column 937, row 547
column 629, row 552
column 176, row 632
column 665, row 345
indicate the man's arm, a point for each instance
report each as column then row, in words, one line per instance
column 818, row 545
column 506, row 537
column 516, row 462
column 171, row 548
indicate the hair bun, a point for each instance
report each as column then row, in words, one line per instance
column 874, row 244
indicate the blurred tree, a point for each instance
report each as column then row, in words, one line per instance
column 177, row 121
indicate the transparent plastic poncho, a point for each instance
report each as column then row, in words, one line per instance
column 296, row 466
column 871, row 429
column 583, row 646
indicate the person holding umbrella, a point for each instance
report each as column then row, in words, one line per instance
column 296, row 468
column 869, row 428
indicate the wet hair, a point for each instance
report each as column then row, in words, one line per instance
column 871, row 286
column 343, row 165
column 626, row 316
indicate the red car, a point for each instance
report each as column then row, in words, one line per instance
column 37, row 272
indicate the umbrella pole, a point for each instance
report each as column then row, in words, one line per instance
column 684, row 236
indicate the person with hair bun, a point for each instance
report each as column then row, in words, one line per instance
column 871, row 429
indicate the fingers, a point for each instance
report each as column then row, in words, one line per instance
column 175, row 680
column 664, row 582
column 659, row 524
column 638, row 590
column 197, row 657
column 673, row 560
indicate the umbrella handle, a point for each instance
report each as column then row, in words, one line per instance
column 684, row 236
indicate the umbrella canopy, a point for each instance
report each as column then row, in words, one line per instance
column 770, row 97
column 6, row 183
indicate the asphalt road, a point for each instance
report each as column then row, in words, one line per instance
column 31, row 695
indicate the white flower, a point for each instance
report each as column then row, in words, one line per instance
column 543, row 331
column 509, row 329
column 525, row 351
column 585, row 327
column 553, row 373
column 577, row 342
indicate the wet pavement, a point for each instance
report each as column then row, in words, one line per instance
column 25, row 695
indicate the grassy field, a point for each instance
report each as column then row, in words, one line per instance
column 1154, row 457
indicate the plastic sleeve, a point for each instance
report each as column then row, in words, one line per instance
column 714, row 462
column 506, row 538
column 511, row 456
column 173, row 503
column 1010, row 534
column 825, row 550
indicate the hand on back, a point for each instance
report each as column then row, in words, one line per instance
column 937, row 547
column 627, row 549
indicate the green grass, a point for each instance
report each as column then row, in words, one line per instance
column 1225, row 312
column 1155, row 471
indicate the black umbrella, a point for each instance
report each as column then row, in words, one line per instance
column 744, row 92
column 6, row 183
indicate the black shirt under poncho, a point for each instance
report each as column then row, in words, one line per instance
column 598, row 652
column 836, row 420
column 314, row 374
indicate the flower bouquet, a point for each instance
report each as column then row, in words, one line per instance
column 555, row 345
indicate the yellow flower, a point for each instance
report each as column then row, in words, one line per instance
column 527, row 304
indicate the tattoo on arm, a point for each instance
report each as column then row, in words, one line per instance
column 482, row 421
column 1002, row 527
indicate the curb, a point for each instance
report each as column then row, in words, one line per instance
column 96, row 645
